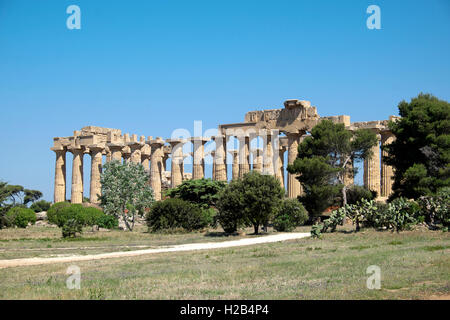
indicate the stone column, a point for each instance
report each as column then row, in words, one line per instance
column 126, row 154
column 244, row 165
column 135, row 150
column 60, row 175
column 235, row 166
column 77, row 174
column 213, row 155
column 372, row 178
column 96, row 170
column 294, row 187
column 116, row 151
column 108, row 154
column 268, row 154
column 156, row 168
column 167, row 150
column 177, row 160
column 257, row 159
column 387, row 172
column 280, row 162
column 198, row 171
column 145, row 157
column 220, row 158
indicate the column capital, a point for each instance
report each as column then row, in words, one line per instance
column 203, row 140
column 175, row 142
column 155, row 143
column 57, row 149
column 76, row 149
column 95, row 148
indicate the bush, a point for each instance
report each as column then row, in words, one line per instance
column 107, row 222
column 5, row 220
column 316, row 230
column 400, row 214
column 252, row 200
column 290, row 215
column 337, row 217
column 40, row 206
column 202, row 192
column 71, row 227
column 230, row 215
column 361, row 212
column 91, row 216
column 73, row 211
column 20, row 217
column 356, row 193
column 171, row 214
column 52, row 213
column 436, row 208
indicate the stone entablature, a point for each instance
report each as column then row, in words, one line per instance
column 281, row 131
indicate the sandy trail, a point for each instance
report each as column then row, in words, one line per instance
column 176, row 248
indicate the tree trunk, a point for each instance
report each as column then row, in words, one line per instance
column 256, row 227
column 344, row 195
column 126, row 222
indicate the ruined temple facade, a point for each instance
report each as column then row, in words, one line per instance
column 280, row 130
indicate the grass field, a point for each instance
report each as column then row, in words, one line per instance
column 414, row 265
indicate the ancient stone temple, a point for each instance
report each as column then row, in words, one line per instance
column 278, row 130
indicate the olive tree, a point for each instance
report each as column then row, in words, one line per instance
column 125, row 191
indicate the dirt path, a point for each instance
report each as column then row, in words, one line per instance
column 182, row 247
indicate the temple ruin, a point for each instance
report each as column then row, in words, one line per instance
column 281, row 130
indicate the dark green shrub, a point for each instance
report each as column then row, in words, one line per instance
column 230, row 215
column 6, row 221
column 71, row 227
column 91, row 216
column 52, row 213
column 290, row 215
column 356, row 193
column 209, row 216
column 175, row 213
column 202, row 192
column 107, row 222
column 20, row 217
column 40, row 206
column 251, row 201
column 73, row 211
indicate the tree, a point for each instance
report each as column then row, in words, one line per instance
column 18, row 195
column 40, row 206
column 420, row 154
column 125, row 191
column 203, row 192
column 254, row 200
column 289, row 215
column 324, row 160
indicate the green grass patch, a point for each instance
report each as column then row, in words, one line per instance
column 435, row 248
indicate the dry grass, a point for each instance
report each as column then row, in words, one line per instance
column 46, row 241
column 414, row 265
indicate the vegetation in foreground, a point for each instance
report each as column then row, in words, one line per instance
column 414, row 265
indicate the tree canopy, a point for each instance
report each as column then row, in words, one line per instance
column 324, row 160
column 252, row 200
column 420, row 153
column 125, row 191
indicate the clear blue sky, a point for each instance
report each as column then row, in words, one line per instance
column 149, row 67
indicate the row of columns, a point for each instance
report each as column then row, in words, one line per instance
column 153, row 155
